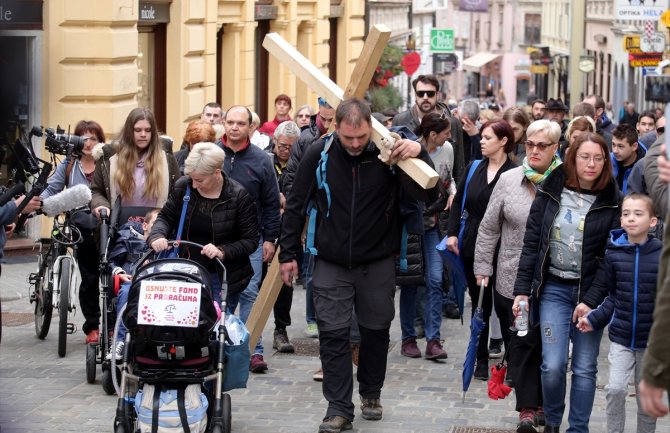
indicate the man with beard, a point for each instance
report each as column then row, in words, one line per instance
column 425, row 90
column 537, row 108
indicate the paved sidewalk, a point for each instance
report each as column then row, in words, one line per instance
column 41, row 392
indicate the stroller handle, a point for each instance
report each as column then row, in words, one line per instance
column 175, row 243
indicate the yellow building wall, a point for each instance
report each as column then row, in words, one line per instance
column 90, row 56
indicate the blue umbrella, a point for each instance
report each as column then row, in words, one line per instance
column 476, row 325
column 457, row 272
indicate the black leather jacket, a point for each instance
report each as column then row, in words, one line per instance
column 234, row 226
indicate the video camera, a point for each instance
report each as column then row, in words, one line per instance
column 63, row 144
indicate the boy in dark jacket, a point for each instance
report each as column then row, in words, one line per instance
column 630, row 271
column 123, row 257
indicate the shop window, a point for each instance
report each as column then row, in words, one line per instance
column 532, row 28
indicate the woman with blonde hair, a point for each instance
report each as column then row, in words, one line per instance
column 577, row 126
column 136, row 170
column 221, row 216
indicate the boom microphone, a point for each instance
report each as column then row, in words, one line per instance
column 71, row 198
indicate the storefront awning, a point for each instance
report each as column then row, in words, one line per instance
column 474, row 63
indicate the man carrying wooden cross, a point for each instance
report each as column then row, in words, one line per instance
column 356, row 237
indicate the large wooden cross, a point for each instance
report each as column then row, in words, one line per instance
column 360, row 79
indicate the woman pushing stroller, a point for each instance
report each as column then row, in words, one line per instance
column 219, row 214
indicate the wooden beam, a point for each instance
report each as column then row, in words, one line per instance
column 265, row 301
column 367, row 62
column 326, row 88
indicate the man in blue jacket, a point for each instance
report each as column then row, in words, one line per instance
column 250, row 166
column 357, row 234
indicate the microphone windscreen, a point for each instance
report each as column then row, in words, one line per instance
column 71, row 198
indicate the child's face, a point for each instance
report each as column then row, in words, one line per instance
column 622, row 150
column 147, row 225
column 636, row 218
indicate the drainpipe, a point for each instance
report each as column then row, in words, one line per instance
column 577, row 32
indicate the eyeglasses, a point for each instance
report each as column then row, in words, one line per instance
column 422, row 93
column 444, row 115
column 660, row 130
column 284, row 146
column 597, row 159
column 541, row 146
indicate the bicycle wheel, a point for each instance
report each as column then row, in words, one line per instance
column 43, row 296
column 91, row 366
column 63, row 304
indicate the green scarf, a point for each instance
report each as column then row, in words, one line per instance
column 536, row 177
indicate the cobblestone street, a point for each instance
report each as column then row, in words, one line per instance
column 44, row 393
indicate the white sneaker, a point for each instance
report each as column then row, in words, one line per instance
column 312, row 330
column 118, row 351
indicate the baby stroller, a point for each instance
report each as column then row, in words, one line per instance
column 169, row 349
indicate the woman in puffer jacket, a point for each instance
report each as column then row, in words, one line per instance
column 220, row 215
column 570, row 220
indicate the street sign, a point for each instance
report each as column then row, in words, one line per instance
column 628, row 10
column 539, row 69
column 631, row 43
column 637, row 60
column 665, row 18
column 654, row 44
column 442, row 40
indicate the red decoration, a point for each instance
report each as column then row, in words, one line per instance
column 410, row 62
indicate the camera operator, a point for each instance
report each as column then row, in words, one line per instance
column 78, row 170
column 7, row 217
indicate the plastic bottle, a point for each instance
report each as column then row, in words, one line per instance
column 521, row 320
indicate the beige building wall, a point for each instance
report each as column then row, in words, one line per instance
column 90, row 56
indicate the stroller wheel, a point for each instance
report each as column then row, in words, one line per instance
column 223, row 425
column 91, row 353
column 226, row 413
column 107, row 384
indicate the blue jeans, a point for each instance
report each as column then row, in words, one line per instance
column 121, row 301
column 307, row 270
column 432, row 316
column 248, row 296
column 557, row 303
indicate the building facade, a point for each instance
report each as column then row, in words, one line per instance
column 64, row 60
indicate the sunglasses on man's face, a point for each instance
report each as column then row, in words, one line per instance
column 660, row 130
column 422, row 93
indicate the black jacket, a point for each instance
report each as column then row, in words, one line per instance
column 603, row 217
column 408, row 118
column 476, row 202
column 234, row 227
column 363, row 223
column 252, row 168
column 629, row 276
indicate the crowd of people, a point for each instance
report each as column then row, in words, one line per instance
column 566, row 216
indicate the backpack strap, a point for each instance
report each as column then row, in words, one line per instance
column 187, row 197
column 156, row 408
column 182, row 409
column 321, row 183
column 473, row 167
column 70, row 166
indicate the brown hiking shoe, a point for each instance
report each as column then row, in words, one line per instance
column 334, row 424
column 409, row 348
column 281, row 343
column 435, row 351
column 371, row 408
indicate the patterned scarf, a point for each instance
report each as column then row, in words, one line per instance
column 536, row 177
